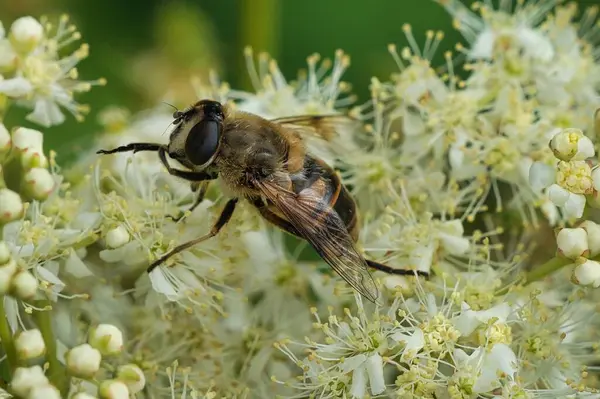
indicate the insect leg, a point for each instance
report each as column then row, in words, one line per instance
column 391, row 270
column 135, row 147
column 189, row 175
column 199, row 198
column 221, row 221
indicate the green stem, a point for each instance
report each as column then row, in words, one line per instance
column 7, row 339
column 56, row 371
column 554, row 264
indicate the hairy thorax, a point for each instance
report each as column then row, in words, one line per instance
column 249, row 153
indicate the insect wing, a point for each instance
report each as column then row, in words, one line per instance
column 325, row 127
column 322, row 227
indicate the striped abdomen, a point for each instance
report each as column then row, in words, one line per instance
column 325, row 183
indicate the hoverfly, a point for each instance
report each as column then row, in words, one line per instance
column 265, row 162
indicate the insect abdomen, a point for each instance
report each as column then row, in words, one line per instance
column 322, row 179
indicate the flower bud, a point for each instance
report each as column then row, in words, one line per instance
column 571, row 144
column 83, row 361
column 587, row 272
column 593, row 236
column 26, row 33
column 8, row 56
column 83, row 395
column 107, row 338
column 5, row 141
column 7, row 272
column 39, row 183
column 11, row 206
column 24, row 138
column 31, row 158
column 113, row 389
column 30, row 344
column 5, row 254
column 132, row 376
column 26, row 378
column 572, row 243
column 44, row 392
column 117, row 237
column 24, row 285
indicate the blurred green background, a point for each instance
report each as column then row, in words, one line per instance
column 144, row 47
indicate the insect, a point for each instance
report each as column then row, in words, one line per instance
column 265, row 162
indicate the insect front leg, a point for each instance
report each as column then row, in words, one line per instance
column 135, row 147
column 224, row 217
column 203, row 187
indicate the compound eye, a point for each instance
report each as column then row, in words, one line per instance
column 202, row 142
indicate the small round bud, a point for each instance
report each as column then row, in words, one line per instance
column 39, row 183
column 107, row 338
column 30, row 344
column 5, row 254
column 593, row 236
column 83, row 361
column 24, row 138
column 117, row 237
column 5, row 140
column 571, row 144
column 83, row 395
column 26, row 33
column 11, row 206
column 572, row 243
column 8, row 56
column 26, row 378
column 132, row 376
column 113, row 389
column 7, row 273
column 587, row 272
column 44, row 392
column 24, row 285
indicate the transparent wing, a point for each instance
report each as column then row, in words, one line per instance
column 321, row 126
column 322, row 227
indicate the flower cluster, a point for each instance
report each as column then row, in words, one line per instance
column 36, row 75
column 480, row 173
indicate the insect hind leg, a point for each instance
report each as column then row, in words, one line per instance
column 391, row 270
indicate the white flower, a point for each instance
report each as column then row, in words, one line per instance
column 44, row 392
column 572, row 242
column 486, row 366
column 83, row 361
column 39, row 183
column 26, row 33
column 117, row 237
column 30, row 344
column 107, row 338
column 596, row 178
column 132, row 376
column 469, row 320
column 571, row 144
column 586, row 272
column 25, row 379
column 113, row 389
column 11, row 206
column 24, row 285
